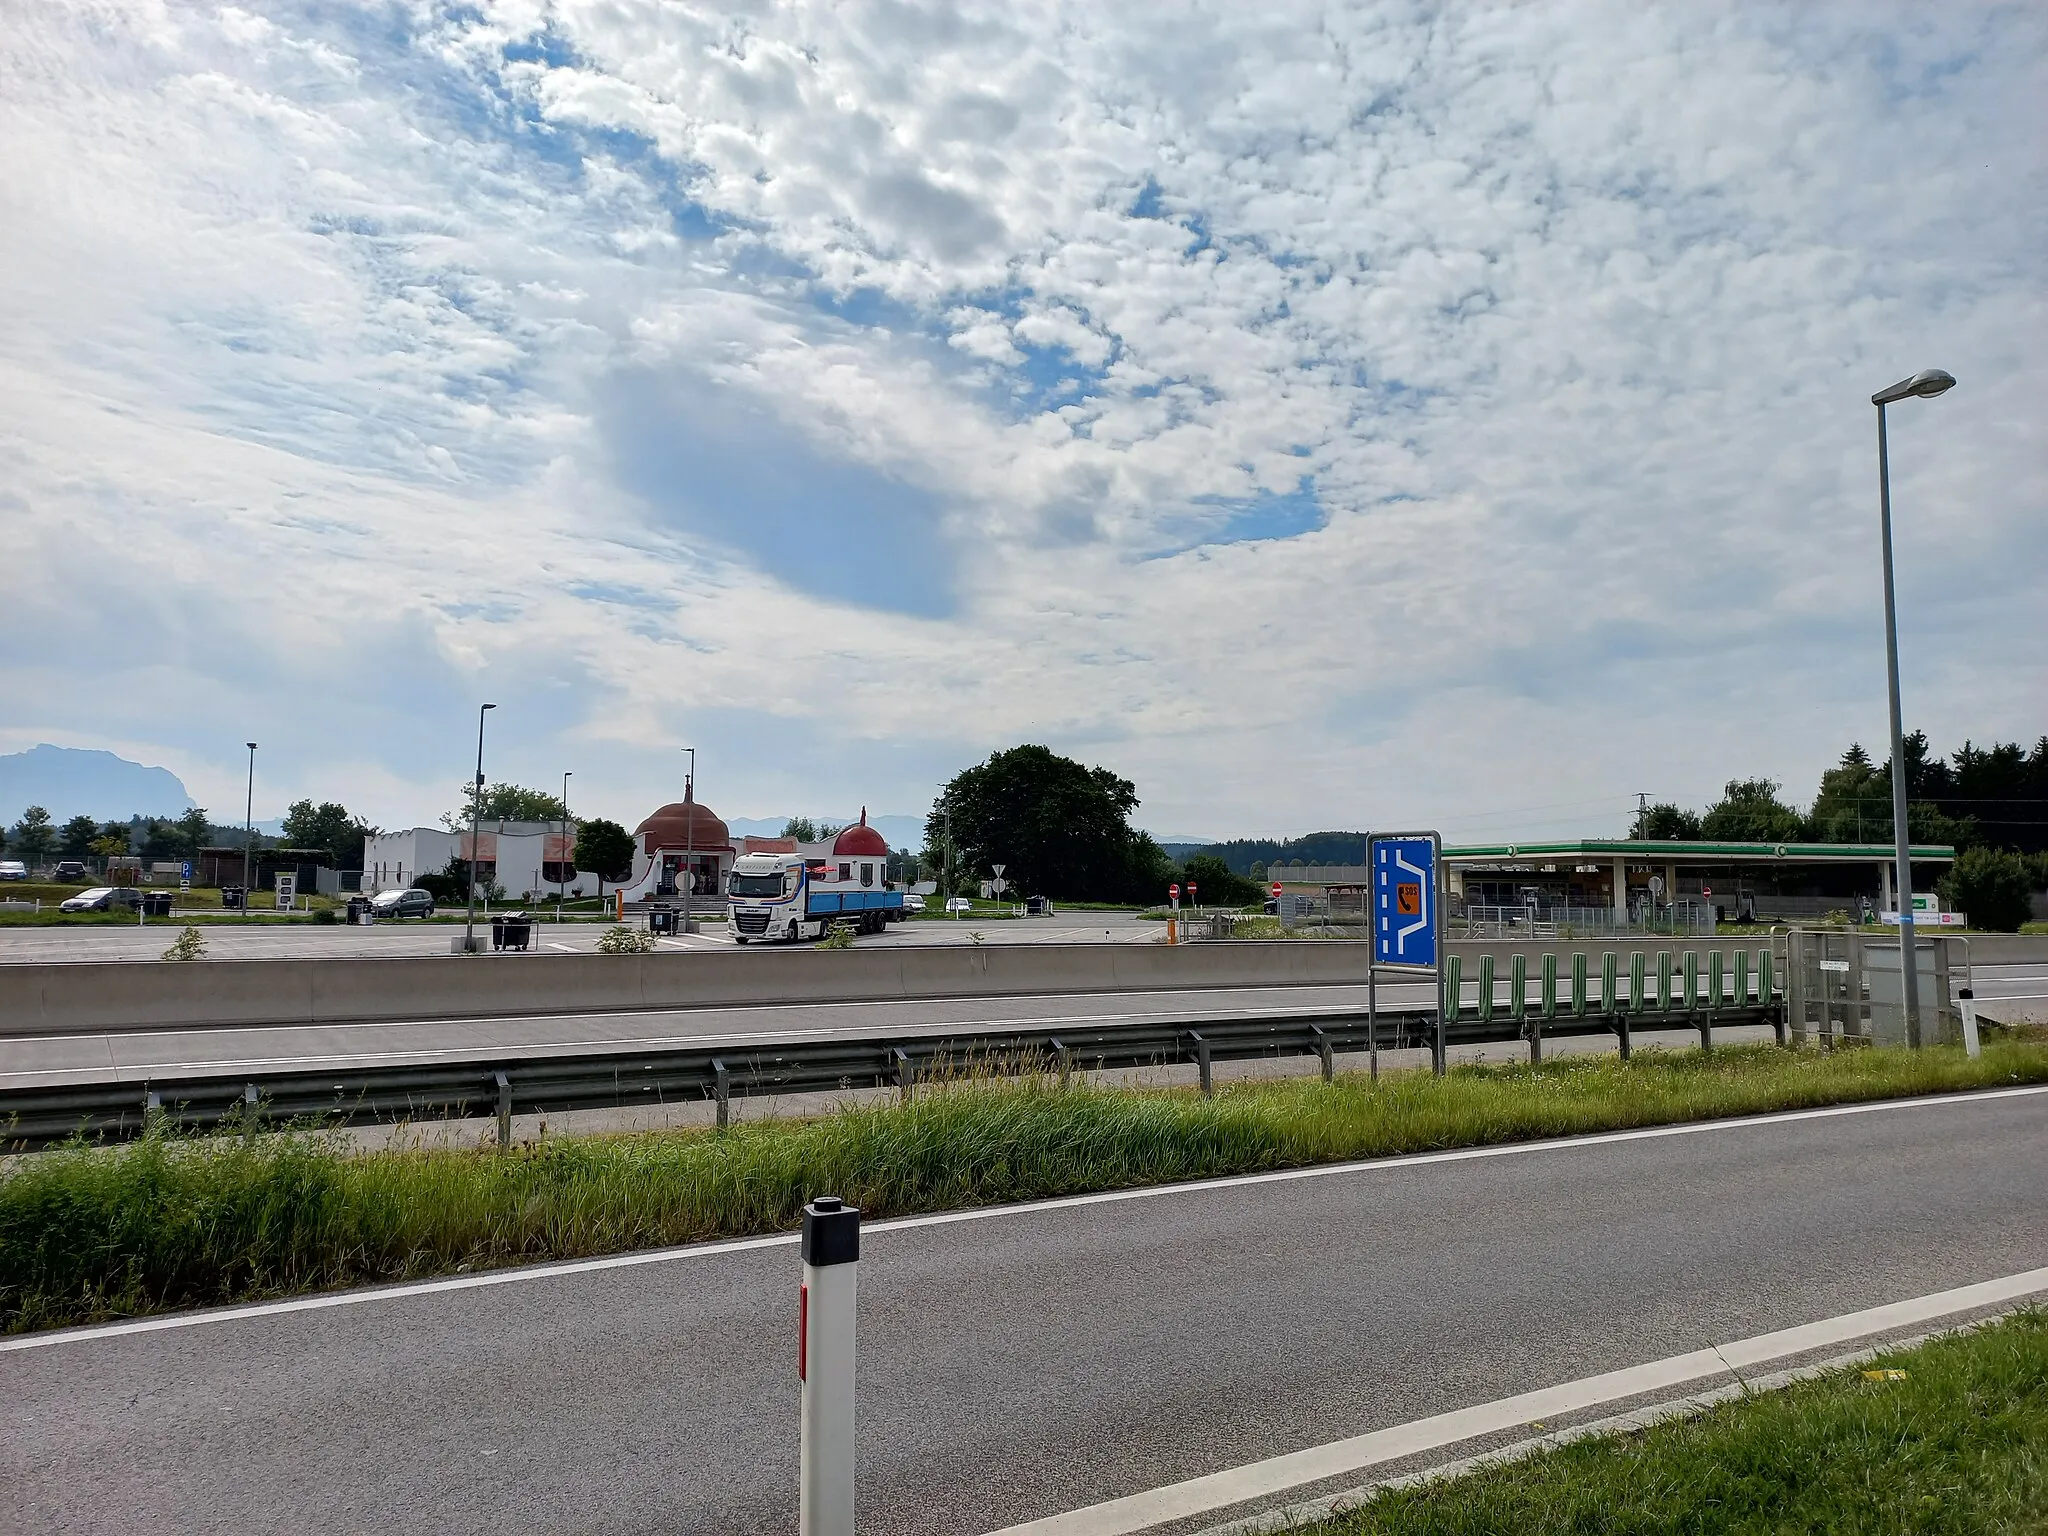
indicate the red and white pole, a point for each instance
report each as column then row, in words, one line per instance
column 824, row 1367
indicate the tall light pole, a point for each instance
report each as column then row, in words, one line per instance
column 249, row 830
column 690, row 838
column 1926, row 384
column 562, row 863
column 476, row 811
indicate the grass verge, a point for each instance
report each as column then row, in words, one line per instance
column 89, row 1233
column 1958, row 1444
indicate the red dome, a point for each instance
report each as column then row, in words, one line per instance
column 860, row 841
column 680, row 827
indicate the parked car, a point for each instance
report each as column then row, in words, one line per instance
column 912, row 902
column 68, row 869
column 959, row 904
column 1038, row 906
column 103, row 898
column 13, row 869
column 409, row 903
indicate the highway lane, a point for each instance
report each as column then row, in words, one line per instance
column 1031, row 1361
column 228, row 939
column 134, row 1054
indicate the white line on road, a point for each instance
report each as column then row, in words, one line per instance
column 1280, row 1474
column 992, row 1213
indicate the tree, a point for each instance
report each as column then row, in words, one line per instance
column 328, row 827
column 802, row 828
column 195, row 828
column 1855, row 804
column 1218, row 885
column 32, row 835
column 604, row 849
column 1059, row 828
column 1749, row 811
column 505, row 802
column 74, row 841
column 1664, row 822
column 1992, row 886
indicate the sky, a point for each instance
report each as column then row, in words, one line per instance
column 1324, row 416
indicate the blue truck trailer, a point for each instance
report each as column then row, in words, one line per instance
column 778, row 896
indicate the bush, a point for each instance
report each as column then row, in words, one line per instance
column 621, row 940
column 1993, row 887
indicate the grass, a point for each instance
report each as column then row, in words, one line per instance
column 1958, row 1445
column 89, row 1232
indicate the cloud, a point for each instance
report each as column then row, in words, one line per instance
column 1321, row 414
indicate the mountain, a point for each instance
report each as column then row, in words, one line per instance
column 1316, row 848
column 898, row 831
column 81, row 781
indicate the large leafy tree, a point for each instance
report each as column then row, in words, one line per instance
column 33, row 835
column 1058, row 827
column 604, row 849
column 75, row 837
column 328, row 827
column 1749, row 811
column 1993, row 887
column 1664, row 822
column 505, row 802
column 1855, row 801
column 1218, row 885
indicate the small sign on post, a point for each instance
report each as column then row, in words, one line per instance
column 185, row 876
column 287, row 892
column 824, row 1367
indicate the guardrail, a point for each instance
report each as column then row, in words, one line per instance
column 1655, row 993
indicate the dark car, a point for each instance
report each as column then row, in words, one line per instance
column 103, row 898
column 68, row 869
column 409, row 903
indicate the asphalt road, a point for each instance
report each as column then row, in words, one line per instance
column 1030, row 1362
column 230, row 940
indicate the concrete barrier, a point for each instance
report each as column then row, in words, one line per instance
column 118, row 995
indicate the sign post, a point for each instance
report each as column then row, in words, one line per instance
column 1404, row 911
column 185, row 876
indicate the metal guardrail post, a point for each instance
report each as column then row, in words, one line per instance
column 1715, row 981
column 1063, row 1059
column 1795, row 987
column 1325, row 1050
column 504, row 1086
column 1202, row 1061
column 1486, row 989
column 249, row 1103
column 905, row 1077
column 1518, row 992
column 721, row 1090
column 1765, row 991
column 826, row 1311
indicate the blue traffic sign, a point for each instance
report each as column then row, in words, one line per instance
column 1404, row 900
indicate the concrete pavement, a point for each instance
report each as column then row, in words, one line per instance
column 1029, row 1361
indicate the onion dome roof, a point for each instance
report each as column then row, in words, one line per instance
column 860, row 840
column 683, row 824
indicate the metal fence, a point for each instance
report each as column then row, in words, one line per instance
column 1680, row 919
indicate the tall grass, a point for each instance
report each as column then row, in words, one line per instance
column 89, row 1232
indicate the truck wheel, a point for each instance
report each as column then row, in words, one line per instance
column 737, row 939
column 793, row 936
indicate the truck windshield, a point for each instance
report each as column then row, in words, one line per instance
column 755, row 885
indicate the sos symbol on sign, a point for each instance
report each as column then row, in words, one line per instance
column 1408, row 898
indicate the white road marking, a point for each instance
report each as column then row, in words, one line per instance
column 992, row 1213
column 567, row 949
column 1219, row 1490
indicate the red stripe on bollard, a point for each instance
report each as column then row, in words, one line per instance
column 803, row 1331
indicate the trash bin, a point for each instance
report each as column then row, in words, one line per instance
column 233, row 898
column 156, row 903
column 359, row 911
column 661, row 920
column 511, row 930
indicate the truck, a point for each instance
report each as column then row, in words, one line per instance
column 781, row 896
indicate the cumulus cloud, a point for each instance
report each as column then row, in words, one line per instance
column 1322, row 413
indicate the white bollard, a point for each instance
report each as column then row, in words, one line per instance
column 1972, row 1046
column 824, row 1367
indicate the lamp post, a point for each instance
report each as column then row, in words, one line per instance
column 1926, row 384
column 562, row 863
column 249, row 830
column 476, row 811
column 690, row 838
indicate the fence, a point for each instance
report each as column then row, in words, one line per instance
column 1473, row 921
column 1494, row 1008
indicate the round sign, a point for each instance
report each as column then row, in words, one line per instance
column 1173, row 890
column 1192, row 887
column 1706, row 890
column 1276, row 888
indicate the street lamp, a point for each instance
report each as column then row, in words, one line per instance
column 476, row 811
column 690, row 840
column 249, row 829
column 562, row 859
column 1926, row 384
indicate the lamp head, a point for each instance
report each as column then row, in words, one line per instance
column 490, row 706
column 252, row 746
column 1927, row 383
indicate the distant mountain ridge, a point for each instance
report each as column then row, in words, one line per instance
column 86, row 781
column 1316, row 848
column 897, row 831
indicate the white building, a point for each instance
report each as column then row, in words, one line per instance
column 525, row 858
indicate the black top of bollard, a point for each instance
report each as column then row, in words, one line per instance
column 831, row 1232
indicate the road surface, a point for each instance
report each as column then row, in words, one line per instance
column 230, row 940
column 1035, row 1361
